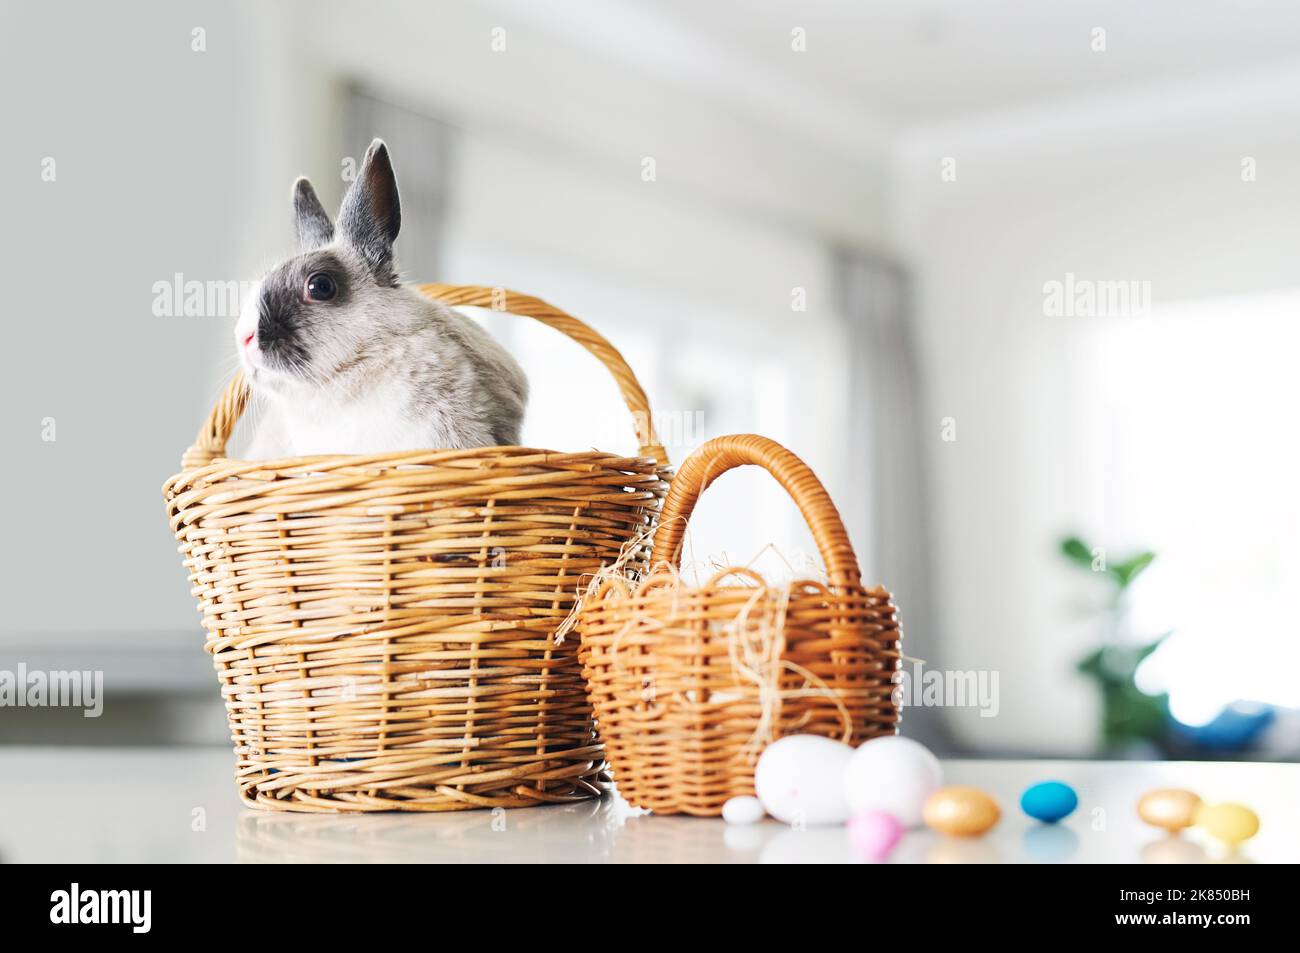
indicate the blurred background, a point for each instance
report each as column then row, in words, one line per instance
column 1020, row 281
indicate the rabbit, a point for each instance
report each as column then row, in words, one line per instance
column 344, row 359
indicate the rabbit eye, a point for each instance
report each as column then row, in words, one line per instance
column 321, row 287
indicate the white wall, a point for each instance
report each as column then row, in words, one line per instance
column 1145, row 187
column 153, row 176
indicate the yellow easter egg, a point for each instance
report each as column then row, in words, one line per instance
column 1169, row 808
column 961, row 811
column 1230, row 823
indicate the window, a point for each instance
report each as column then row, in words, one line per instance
column 1198, row 458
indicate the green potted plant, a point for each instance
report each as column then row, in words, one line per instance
column 1130, row 718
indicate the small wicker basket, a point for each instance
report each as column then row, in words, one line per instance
column 689, row 683
column 383, row 627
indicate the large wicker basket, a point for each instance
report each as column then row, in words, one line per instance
column 689, row 683
column 383, row 627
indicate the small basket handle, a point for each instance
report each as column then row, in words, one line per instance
column 721, row 454
column 211, row 440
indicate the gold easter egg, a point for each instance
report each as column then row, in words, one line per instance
column 1230, row 823
column 960, row 811
column 1169, row 808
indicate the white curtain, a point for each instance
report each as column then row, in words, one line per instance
column 888, row 515
column 420, row 147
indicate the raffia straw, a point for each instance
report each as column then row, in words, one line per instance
column 761, row 661
column 754, row 647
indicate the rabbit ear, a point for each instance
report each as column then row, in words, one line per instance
column 314, row 226
column 371, row 214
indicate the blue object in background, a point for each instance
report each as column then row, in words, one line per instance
column 1049, row 801
column 1235, row 728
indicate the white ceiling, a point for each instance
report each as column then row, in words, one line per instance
column 899, row 64
column 713, row 89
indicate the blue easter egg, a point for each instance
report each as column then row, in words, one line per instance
column 1049, row 801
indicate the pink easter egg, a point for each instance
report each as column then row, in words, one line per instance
column 875, row 833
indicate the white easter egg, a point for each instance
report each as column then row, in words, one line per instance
column 800, row 780
column 742, row 810
column 894, row 775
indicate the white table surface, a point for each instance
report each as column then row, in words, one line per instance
column 179, row 805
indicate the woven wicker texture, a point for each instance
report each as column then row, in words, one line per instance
column 383, row 627
column 689, row 683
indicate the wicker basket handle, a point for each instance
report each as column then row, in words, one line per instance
column 721, row 454
column 211, row 440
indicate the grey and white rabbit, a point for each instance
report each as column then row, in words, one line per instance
column 345, row 359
